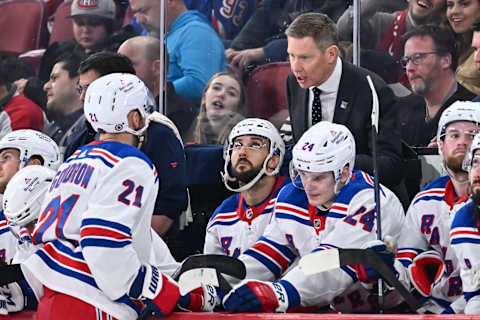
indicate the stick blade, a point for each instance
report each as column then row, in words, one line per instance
column 319, row 261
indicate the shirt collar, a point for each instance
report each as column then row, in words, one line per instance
column 333, row 82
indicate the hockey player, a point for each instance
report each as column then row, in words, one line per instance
column 465, row 235
column 21, row 148
column 327, row 205
column 424, row 240
column 21, row 205
column 253, row 156
column 97, row 257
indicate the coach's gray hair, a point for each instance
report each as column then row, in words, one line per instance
column 316, row 25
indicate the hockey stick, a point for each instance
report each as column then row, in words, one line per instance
column 223, row 264
column 376, row 188
column 325, row 260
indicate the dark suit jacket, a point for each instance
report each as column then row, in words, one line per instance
column 353, row 109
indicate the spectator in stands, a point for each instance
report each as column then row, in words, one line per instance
column 461, row 15
column 262, row 40
column 21, row 73
column 430, row 61
column 226, row 17
column 144, row 52
column 160, row 145
column 64, row 107
column 383, row 29
column 324, row 87
column 17, row 111
column 223, row 105
column 195, row 51
column 93, row 30
column 476, row 48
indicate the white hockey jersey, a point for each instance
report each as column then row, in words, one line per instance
column 427, row 227
column 95, row 227
column 8, row 242
column 465, row 240
column 298, row 228
column 234, row 226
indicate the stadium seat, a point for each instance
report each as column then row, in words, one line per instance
column 24, row 26
column 266, row 92
column 62, row 26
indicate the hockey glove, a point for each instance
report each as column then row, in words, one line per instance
column 15, row 298
column 204, row 298
column 425, row 271
column 385, row 250
column 260, row 296
column 156, row 290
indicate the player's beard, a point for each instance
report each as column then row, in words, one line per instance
column 247, row 175
column 476, row 202
column 454, row 163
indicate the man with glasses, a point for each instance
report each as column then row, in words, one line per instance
column 430, row 59
column 425, row 257
column 253, row 157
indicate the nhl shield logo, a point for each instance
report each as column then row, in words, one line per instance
column 249, row 213
column 316, row 223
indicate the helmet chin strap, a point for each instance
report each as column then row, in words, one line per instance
column 227, row 178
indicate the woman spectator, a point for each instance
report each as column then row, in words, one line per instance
column 223, row 105
column 461, row 14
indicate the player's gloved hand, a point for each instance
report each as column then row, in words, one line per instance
column 156, row 290
column 204, row 298
column 425, row 271
column 260, row 296
column 12, row 298
column 386, row 250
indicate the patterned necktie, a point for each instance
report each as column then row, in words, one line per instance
column 316, row 106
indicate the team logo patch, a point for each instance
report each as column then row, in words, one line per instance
column 118, row 127
column 343, row 105
column 87, row 4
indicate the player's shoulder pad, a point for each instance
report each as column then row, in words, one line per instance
column 228, row 205
column 437, row 183
column 464, row 217
column 114, row 152
column 433, row 190
column 360, row 181
column 292, row 195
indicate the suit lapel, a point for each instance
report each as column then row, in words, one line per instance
column 344, row 102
